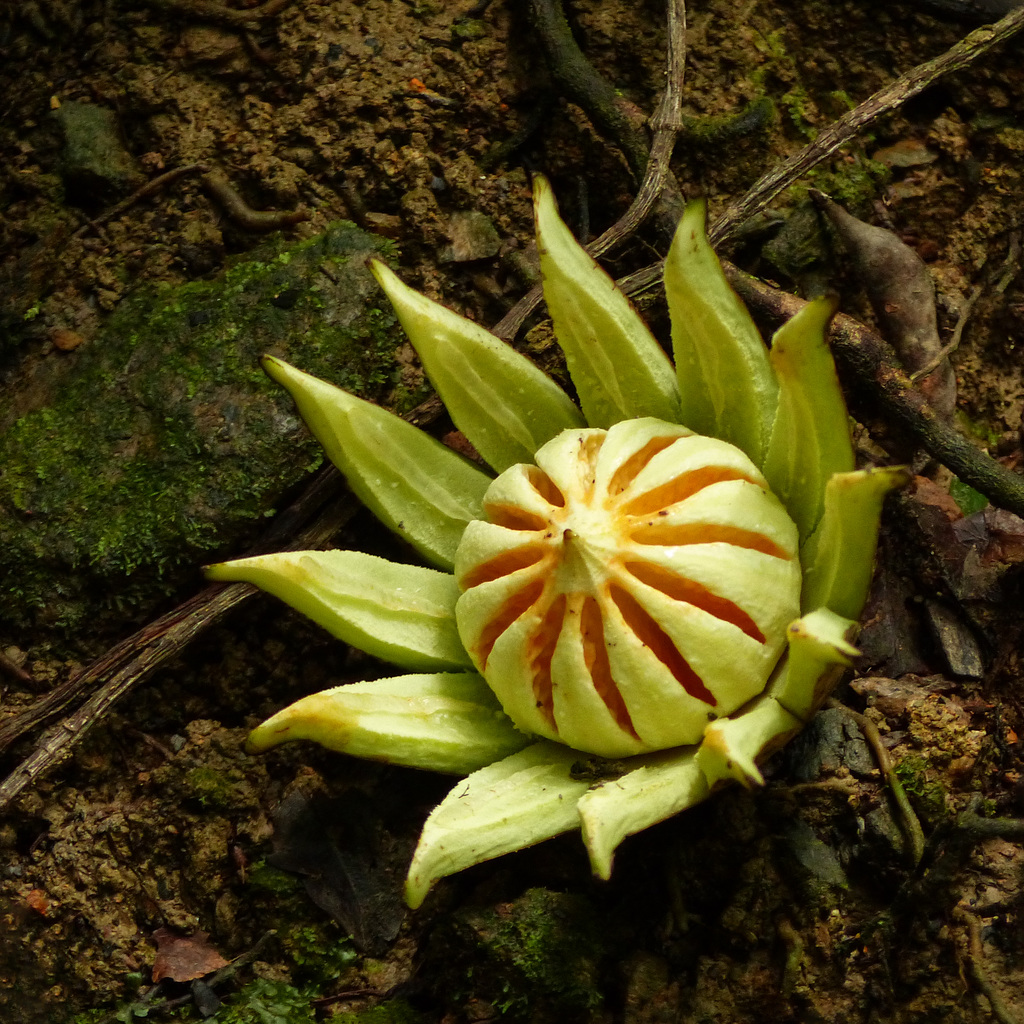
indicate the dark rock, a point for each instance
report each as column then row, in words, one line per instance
column 94, row 162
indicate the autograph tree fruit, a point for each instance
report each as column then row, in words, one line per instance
column 668, row 574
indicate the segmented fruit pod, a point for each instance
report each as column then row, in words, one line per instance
column 668, row 574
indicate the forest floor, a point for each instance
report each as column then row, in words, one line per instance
column 158, row 851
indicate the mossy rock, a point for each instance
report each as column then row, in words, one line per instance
column 166, row 445
column 537, row 958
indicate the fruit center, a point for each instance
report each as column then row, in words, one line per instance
column 630, row 586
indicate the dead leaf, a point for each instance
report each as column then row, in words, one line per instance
column 184, row 957
column 349, row 859
column 38, row 901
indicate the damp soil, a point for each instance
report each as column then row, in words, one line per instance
column 421, row 122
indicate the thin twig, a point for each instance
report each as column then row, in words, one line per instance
column 324, row 488
column 150, row 1005
column 581, row 84
column 137, row 658
column 241, row 213
column 155, row 185
column 666, row 124
column 956, row 58
column 657, row 175
column 1008, row 271
column 870, row 361
column 954, row 342
column 975, row 960
column 962, row 55
column 232, row 17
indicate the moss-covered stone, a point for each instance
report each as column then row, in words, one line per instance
column 536, row 958
column 394, row 1011
column 263, row 1001
column 166, row 443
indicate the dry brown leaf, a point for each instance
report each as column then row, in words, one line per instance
column 184, row 957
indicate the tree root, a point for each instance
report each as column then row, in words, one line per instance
column 909, row 823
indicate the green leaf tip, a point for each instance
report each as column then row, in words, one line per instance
column 524, row 799
column 506, row 406
column 619, row 370
column 810, row 441
column 442, row 722
column 726, row 383
column 839, row 557
column 403, row 614
column 410, row 481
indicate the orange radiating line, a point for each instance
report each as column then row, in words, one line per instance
column 706, row 533
column 512, row 517
column 628, row 471
column 681, row 488
column 504, row 564
column 679, row 588
column 660, row 643
column 540, row 651
column 595, row 656
column 545, row 486
column 515, row 606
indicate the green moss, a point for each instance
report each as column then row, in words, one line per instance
column 267, row 1002
column 717, row 129
column 967, row 498
column 853, row 181
column 265, row 876
column 212, row 788
column 927, row 798
column 167, row 443
column 320, row 953
column 394, row 1011
column 540, row 954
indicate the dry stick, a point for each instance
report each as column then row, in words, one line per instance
column 325, row 487
column 578, row 80
column 975, row 962
column 208, row 10
column 141, row 654
column 157, row 183
column 238, row 210
column 1009, row 271
column 871, row 361
column 960, row 56
column 156, row 643
column 912, row 831
column 666, row 124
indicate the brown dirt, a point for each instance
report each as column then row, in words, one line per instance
column 792, row 904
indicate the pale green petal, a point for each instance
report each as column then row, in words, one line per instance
column 659, row 786
column 442, row 722
column 726, row 384
column 732, row 745
column 839, row 557
column 525, row 799
column 811, row 438
column 619, row 370
column 404, row 614
column 411, row 482
column 505, row 405
column 819, row 649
